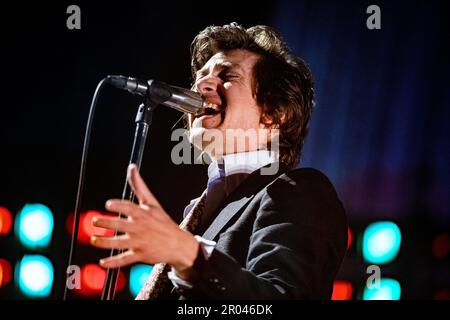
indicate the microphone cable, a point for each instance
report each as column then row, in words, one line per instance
column 76, row 216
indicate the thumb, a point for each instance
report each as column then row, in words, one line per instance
column 139, row 187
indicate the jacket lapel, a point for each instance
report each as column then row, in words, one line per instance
column 224, row 216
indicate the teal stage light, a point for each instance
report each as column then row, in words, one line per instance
column 389, row 289
column 138, row 275
column 34, row 226
column 381, row 242
column 34, row 275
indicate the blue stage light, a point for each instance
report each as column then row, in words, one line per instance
column 138, row 275
column 389, row 289
column 34, row 276
column 34, row 226
column 381, row 242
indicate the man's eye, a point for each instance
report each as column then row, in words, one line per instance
column 229, row 76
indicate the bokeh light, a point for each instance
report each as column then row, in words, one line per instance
column 441, row 246
column 93, row 278
column 5, row 220
column 138, row 275
column 349, row 238
column 5, row 273
column 86, row 228
column 34, row 226
column 389, row 289
column 34, row 276
column 342, row 290
column 381, row 242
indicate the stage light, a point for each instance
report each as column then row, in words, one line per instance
column 381, row 242
column 138, row 275
column 342, row 290
column 441, row 246
column 93, row 278
column 5, row 220
column 443, row 294
column 389, row 289
column 34, row 226
column 5, row 273
column 86, row 229
column 35, row 276
column 349, row 237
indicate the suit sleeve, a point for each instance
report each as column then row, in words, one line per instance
column 296, row 247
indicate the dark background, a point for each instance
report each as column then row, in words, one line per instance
column 379, row 130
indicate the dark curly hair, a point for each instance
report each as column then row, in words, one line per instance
column 282, row 81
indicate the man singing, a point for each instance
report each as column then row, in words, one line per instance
column 262, row 229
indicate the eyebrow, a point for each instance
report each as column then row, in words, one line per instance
column 221, row 66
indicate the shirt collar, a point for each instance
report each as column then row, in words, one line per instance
column 241, row 162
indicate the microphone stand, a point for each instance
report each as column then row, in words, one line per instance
column 143, row 122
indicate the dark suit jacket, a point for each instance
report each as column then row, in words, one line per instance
column 278, row 237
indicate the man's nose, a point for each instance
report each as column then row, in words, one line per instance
column 208, row 84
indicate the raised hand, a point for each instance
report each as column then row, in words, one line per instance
column 150, row 235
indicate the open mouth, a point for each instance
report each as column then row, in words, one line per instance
column 210, row 109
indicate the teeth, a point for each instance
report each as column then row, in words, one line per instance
column 210, row 105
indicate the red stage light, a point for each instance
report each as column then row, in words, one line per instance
column 86, row 228
column 93, row 277
column 5, row 273
column 349, row 237
column 443, row 294
column 5, row 220
column 342, row 290
column 441, row 246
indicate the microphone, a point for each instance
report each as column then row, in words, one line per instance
column 180, row 99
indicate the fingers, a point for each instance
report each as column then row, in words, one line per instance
column 145, row 215
column 120, row 260
column 140, row 188
column 124, row 206
column 117, row 242
column 118, row 224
